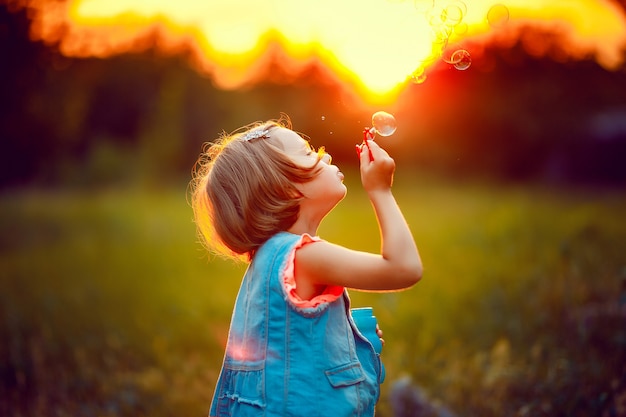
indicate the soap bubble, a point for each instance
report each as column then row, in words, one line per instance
column 498, row 15
column 446, row 22
column 461, row 59
column 452, row 15
column 449, row 55
column 384, row 123
column 435, row 16
column 446, row 14
column 461, row 5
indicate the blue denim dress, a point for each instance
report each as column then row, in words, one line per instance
column 282, row 360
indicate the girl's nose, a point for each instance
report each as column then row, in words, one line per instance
column 327, row 158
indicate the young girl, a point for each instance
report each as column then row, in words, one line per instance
column 293, row 348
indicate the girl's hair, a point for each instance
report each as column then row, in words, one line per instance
column 243, row 191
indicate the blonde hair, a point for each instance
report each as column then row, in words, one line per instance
column 244, row 191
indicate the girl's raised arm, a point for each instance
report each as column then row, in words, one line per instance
column 397, row 266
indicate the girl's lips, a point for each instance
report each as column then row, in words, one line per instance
column 341, row 176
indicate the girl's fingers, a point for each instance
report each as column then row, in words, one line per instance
column 379, row 333
column 369, row 151
column 376, row 150
column 364, row 154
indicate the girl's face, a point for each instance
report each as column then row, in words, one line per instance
column 326, row 189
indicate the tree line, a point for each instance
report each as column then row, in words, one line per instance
column 86, row 121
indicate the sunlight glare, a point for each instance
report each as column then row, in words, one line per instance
column 373, row 47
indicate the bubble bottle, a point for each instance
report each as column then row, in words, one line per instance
column 366, row 323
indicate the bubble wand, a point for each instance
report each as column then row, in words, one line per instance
column 383, row 123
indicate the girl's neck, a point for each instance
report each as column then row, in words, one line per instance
column 303, row 225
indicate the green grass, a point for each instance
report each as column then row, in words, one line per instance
column 109, row 307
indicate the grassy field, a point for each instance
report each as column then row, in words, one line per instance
column 109, row 307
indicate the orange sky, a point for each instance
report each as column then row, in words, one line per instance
column 374, row 46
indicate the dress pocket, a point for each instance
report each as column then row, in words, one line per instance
column 345, row 375
column 242, row 390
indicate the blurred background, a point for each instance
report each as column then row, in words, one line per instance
column 511, row 174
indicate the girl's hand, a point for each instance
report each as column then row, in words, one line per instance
column 380, row 334
column 376, row 170
column 397, row 266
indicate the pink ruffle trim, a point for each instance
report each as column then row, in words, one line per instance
column 330, row 293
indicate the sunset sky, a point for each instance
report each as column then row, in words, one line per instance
column 374, row 47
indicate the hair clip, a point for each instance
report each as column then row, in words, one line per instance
column 255, row 134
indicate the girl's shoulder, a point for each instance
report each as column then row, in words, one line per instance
column 325, row 294
column 290, row 240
